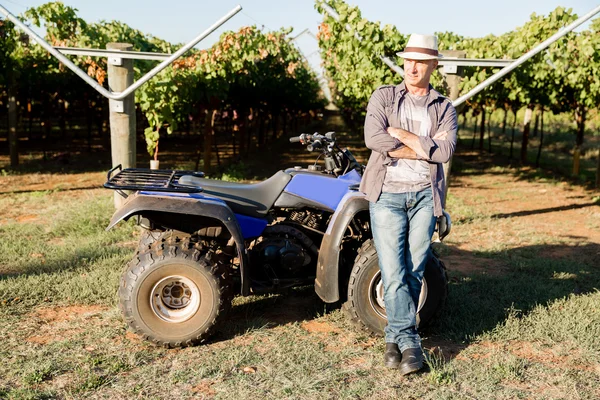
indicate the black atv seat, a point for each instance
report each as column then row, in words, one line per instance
column 253, row 199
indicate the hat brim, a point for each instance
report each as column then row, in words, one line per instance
column 412, row 55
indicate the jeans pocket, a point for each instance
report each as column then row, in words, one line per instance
column 381, row 216
column 425, row 196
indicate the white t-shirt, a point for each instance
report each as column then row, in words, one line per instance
column 410, row 175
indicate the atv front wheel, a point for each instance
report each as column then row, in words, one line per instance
column 365, row 303
column 148, row 238
column 173, row 294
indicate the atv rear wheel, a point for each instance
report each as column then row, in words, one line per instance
column 174, row 294
column 365, row 303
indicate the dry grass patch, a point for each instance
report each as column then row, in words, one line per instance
column 521, row 319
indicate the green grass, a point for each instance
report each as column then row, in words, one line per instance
column 552, row 350
column 530, row 329
column 64, row 255
column 530, row 281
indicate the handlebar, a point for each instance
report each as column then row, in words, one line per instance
column 337, row 161
column 314, row 141
column 315, row 145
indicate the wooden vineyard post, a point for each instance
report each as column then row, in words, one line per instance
column 452, row 81
column 243, row 126
column 526, row 130
column 580, row 115
column 13, row 135
column 482, row 129
column 209, row 123
column 122, row 112
column 598, row 171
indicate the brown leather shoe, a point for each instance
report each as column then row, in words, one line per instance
column 412, row 361
column 392, row 356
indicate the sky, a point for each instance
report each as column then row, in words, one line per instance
column 180, row 21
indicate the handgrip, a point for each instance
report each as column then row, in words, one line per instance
column 315, row 145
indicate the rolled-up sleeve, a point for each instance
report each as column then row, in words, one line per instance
column 441, row 150
column 376, row 123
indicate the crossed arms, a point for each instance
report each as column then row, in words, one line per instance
column 399, row 143
column 412, row 148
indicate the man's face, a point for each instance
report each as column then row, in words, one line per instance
column 418, row 72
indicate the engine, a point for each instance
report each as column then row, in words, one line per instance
column 308, row 218
column 283, row 256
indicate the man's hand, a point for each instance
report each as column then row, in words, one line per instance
column 412, row 143
column 409, row 139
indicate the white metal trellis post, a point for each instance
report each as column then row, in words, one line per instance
column 509, row 66
column 106, row 93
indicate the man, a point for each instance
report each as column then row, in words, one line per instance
column 411, row 130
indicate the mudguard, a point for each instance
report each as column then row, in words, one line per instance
column 328, row 264
column 188, row 206
column 327, row 282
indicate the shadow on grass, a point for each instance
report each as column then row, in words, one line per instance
column 480, row 298
column 468, row 162
column 514, row 282
column 70, row 261
column 544, row 210
column 268, row 312
column 53, row 190
column 486, row 287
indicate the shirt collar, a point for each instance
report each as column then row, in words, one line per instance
column 433, row 94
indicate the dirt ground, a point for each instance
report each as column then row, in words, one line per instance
column 515, row 198
column 500, row 191
column 496, row 207
column 519, row 211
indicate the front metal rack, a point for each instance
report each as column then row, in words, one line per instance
column 157, row 180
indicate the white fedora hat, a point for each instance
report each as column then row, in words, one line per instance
column 421, row 47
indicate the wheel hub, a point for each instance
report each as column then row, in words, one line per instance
column 175, row 299
column 376, row 297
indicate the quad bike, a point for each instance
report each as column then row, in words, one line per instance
column 207, row 240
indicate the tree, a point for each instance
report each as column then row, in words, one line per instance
column 577, row 79
column 354, row 66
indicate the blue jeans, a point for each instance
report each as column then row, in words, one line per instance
column 402, row 226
